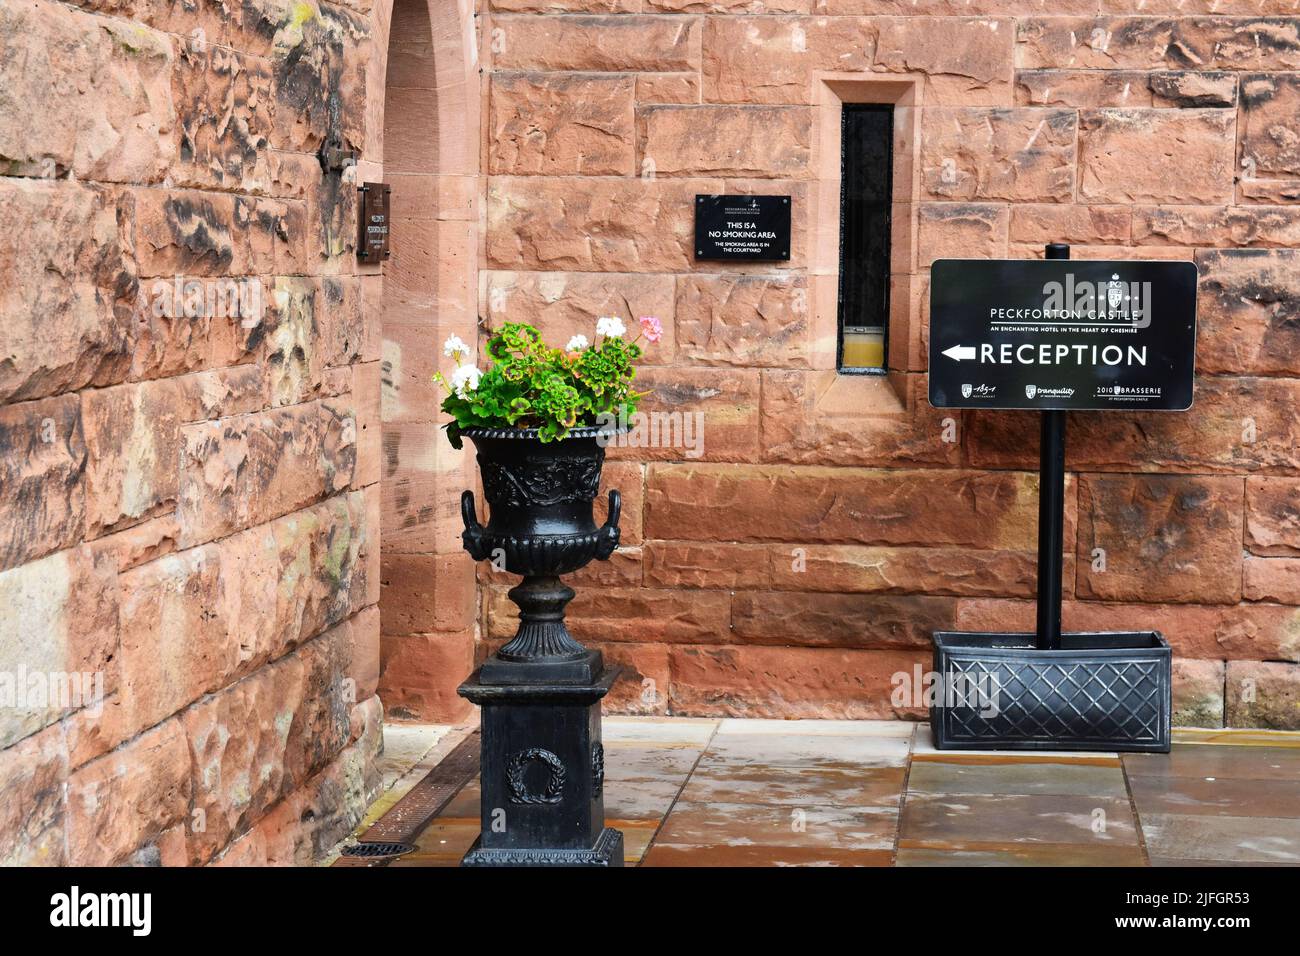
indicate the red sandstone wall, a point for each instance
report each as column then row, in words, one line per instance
column 188, row 506
column 1169, row 134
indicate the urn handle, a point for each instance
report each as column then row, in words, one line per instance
column 473, row 534
column 609, row 530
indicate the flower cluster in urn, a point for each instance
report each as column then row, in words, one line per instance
column 532, row 385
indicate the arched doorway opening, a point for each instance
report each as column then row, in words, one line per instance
column 423, row 72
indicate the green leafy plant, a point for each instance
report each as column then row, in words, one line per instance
column 529, row 384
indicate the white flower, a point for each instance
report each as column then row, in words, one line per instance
column 610, row 326
column 455, row 348
column 577, row 344
column 465, row 380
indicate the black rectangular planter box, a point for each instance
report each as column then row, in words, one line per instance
column 1098, row 691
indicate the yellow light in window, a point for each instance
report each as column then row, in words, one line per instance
column 864, row 347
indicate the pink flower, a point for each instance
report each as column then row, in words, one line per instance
column 651, row 328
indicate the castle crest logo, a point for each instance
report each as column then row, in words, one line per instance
column 1114, row 292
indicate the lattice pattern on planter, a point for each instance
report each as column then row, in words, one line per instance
column 1043, row 701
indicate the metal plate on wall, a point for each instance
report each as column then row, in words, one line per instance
column 1062, row 334
column 743, row 228
column 373, row 222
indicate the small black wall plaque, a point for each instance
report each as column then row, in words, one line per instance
column 372, row 222
column 1062, row 334
column 745, row 228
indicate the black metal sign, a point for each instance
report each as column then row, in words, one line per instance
column 1062, row 334
column 742, row 227
column 373, row 222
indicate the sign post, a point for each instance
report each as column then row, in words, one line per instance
column 1057, row 335
column 1051, row 511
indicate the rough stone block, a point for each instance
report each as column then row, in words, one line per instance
column 814, row 619
column 564, row 304
column 192, row 233
column 42, row 478
column 67, row 290
column 695, row 414
column 1170, row 42
column 607, row 44
column 824, row 418
column 751, row 141
column 962, row 231
column 1072, row 223
column 251, row 468
column 1145, row 156
column 224, row 116
column 131, row 806
column 1163, row 537
column 1021, row 155
column 85, row 95
column 1197, row 693
column 133, row 444
column 1248, row 315
column 596, row 225
column 33, row 814
column 790, row 682
column 58, row 639
column 1271, row 579
column 843, row 505
column 1129, row 89
column 743, row 320
column 420, row 674
column 1263, row 694
column 771, row 59
column 1270, row 134
column 573, row 125
column 1273, row 516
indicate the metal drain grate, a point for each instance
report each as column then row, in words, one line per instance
column 376, row 851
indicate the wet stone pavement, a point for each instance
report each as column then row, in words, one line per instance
column 723, row 792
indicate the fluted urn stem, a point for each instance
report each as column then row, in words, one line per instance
column 542, row 635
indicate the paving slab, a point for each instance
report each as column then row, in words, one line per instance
column 663, row 854
column 1215, row 796
column 1195, row 760
column 647, row 762
column 746, row 824
column 1224, row 838
column 815, row 728
column 880, row 787
column 1022, row 854
column 640, row 799
column 1011, row 775
column 687, row 731
column 1237, row 738
column 805, row 751
column 943, row 821
column 923, row 745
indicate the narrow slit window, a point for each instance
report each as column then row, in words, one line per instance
column 866, row 191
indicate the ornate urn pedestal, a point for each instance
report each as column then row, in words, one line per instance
column 542, row 765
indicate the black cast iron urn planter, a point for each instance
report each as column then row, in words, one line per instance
column 542, row 765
